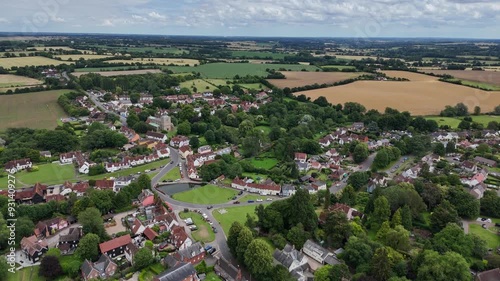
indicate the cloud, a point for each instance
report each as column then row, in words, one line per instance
column 107, row 22
column 155, row 15
column 4, row 20
column 57, row 19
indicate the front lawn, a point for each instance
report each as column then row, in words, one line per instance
column 212, row 277
column 226, row 216
column 208, row 194
column 204, row 233
column 264, row 163
column 252, row 197
column 490, row 236
column 25, row 274
column 172, row 175
column 48, row 174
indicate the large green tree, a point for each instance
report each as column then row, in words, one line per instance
column 360, row 153
column 258, row 258
column 445, row 267
column 245, row 237
column 88, row 247
column 143, row 258
column 232, row 237
column 92, row 222
column 443, row 214
column 337, row 229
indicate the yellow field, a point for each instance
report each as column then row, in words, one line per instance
column 165, row 61
column 8, row 81
column 422, row 95
column 86, row 57
column 8, row 63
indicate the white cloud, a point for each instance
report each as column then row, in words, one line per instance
column 155, row 15
column 107, row 22
column 58, row 19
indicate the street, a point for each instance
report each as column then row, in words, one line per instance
column 96, row 101
column 174, row 161
column 363, row 167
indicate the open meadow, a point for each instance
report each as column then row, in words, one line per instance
column 38, row 110
column 301, row 78
column 8, row 63
column 160, row 61
column 9, row 81
column 118, row 72
column 207, row 194
column 200, row 85
column 422, row 95
column 489, row 77
column 85, row 57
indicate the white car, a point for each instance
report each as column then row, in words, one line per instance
column 269, row 199
column 259, row 200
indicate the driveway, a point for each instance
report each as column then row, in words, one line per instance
column 119, row 227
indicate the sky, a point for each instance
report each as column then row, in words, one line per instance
column 287, row 18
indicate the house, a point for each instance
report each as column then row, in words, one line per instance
column 294, row 261
column 303, row 166
column 227, row 271
column 180, row 272
column 147, row 198
column 179, row 141
column 319, row 254
column 478, row 191
column 105, row 184
column 179, row 238
column 484, row 161
column 34, row 248
column 150, row 234
column 319, row 185
column 67, row 243
column 46, row 154
column 204, row 149
column 163, row 153
column 169, row 220
column 350, row 213
column 490, row 275
column 80, row 188
column 192, row 254
column 50, row 227
column 288, row 190
column 324, row 142
column 15, row 166
column 300, row 157
column 123, row 181
column 266, row 188
column 358, row 126
column 185, row 151
column 115, row 247
column 469, row 166
column 332, row 153
column 412, row 172
column 137, row 227
column 101, row 269
column 156, row 136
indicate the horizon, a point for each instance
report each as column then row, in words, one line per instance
column 471, row 19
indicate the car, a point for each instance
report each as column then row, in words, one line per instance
column 208, row 247
column 193, row 227
column 171, row 162
column 211, row 251
column 215, row 230
column 241, row 192
column 210, row 207
column 163, row 245
column 338, row 184
column 236, row 202
column 234, row 198
column 210, row 223
column 250, row 201
column 269, row 199
column 259, row 200
column 147, row 171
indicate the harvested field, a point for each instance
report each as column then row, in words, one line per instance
column 118, row 73
column 38, row 110
column 301, row 78
column 85, row 57
column 8, row 63
column 423, row 95
column 161, row 61
column 8, row 81
column 490, row 77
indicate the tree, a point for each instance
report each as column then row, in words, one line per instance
column 439, row 149
column 381, row 211
column 244, row 239
column 443, row 214
column 348, row 196
column 449, row 266
column 450, row 147
column 360, row 153
column 381, row 265
column 91, row 222
column 88, row 247
column 453, row 238
column 327, row 199
column 383, row 230
column 323, row 273
column 406, row 218
column 358, row 179
column 339, row 272
column 143, row 258
column 4, row 268
column 184, row 128
column 297, row 236
column 337, row 229
column 301, row 210
column 461, row 109
column 358, row 251
column 57, row 141
column 232, row 238
column 134, row 98
column 397, row 218
column 144, row 181
column 50, row 267
column 24, row 228
column 210, row 136
column 194, row 142
column 465, row 204
column 398, row 239
column 258, row 258
column 464, row 125
column 477, row 110
column 381, row 159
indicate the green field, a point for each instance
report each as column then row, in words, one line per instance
column 229, row 70
column 264, row 163
column 265, row 129
column 200, row 85
column 204, row 233
column 207, row 194
column 490, row 236
column 475, row 84
column 258, row 55
column 172, row 175
column 48, row 174
column 234, row 214
column 126, row 172
column 212, row 277
column 25, row 274
column 152, row 50
column 339, row 67
column 454, row 121
column 252, row 197
column 254, row 86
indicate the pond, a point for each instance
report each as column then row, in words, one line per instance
column 174, row 188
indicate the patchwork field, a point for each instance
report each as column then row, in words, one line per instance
column 490, row 77
column 229, row 70
column 8, row 63
column 119, row 72
column 8, row 81
column 301, row 78
column 38, row 110
column 85, row 57
column 161, row 61
column 43, row 48
column 422, row 95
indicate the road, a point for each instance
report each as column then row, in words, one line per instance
column 363, row 167
column 174, row 161
column 96, row 101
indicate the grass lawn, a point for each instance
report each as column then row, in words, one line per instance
column 25, row 274
column 48, row 174
column 252, row 197
column 208, row 194
column 264, row 163
column 255, row 176
column 476, row 84
column 142, row 168
column 212, row 277
column 234, row 214
column 204, row 233
column 253, row 86
column 172, row 175
column 265, row 129
column 491, row 238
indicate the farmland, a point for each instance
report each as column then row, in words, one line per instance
column 152, row 50
column 301, row 78
column 453, row 122
column 339, row 67
column 255, row 54
column 161, row 61
column 13, row 81
column 122, row 72
column 8, row 63
column 199, row 84
column 489, row 77
column 422, row 95
column 229, row 70
column 38, row 110
column 85, row 57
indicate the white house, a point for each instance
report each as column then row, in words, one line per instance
column 17, row 165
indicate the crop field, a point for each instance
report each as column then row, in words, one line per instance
column 85, row 57
column 348, row 57
column 38, row 110
column 301, row 78
column 12, row 81
column 8, row 63
column 119, row 72
column 422, row 95
column 453, row 122
column 229, row 70
column 489, row 77
column 340, row 67
column 153, row 50
column 160, row 61
column 256, row 54
column 110, row 68
column 199, row 84
column 475, row 84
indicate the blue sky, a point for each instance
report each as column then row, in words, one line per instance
column 326, row 18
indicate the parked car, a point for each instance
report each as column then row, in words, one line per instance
column 259, row 200
column 211, row 251
column 250, row 201
column 215, row 230
column 241, row 192
column 171, row 162
column 236, row 202
column 234, row 198
column 208, row 247
column 269, row 199
column 210, row 207
column 147, row 171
